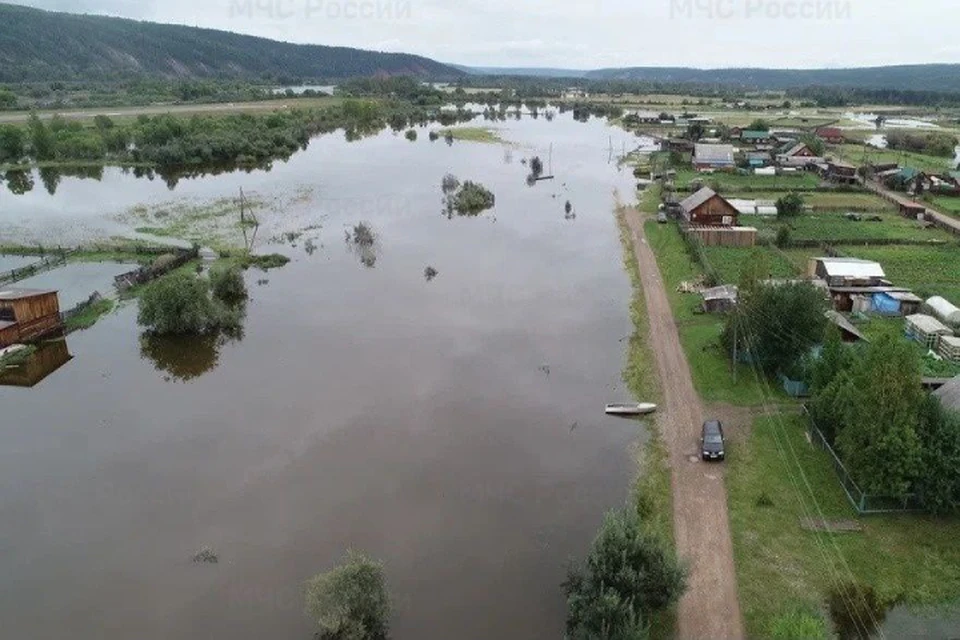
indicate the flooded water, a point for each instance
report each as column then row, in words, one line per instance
column 76, row 282
column 8, row 263
column 857, row 614
column 452, row 427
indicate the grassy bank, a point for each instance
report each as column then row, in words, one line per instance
column 651, row 491
column 775, row 478
column 90, row 316
column 700, row 334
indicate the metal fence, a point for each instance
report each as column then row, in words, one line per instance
column 864, row 503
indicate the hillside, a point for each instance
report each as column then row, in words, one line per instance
column 926, row 77
column 38, row 45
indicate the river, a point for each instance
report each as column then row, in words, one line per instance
column 453, row 428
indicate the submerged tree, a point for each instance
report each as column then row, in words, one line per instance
column 351, row 601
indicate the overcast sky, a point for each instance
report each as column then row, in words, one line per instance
column 584, row 34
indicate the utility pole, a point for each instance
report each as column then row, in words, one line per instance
column 736, row 331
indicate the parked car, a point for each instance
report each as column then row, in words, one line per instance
column 711, row 441
column 662, row 217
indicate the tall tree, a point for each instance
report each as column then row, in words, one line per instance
column 879, row 443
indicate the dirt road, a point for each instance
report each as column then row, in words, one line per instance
column 709, row 609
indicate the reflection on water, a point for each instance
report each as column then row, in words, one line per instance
column 182, row 358
column 50, row 356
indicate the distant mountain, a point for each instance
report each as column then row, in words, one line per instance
column 38, row 45
column 534, row 72
column 924, row 77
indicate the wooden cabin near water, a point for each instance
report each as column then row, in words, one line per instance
column 27, row 315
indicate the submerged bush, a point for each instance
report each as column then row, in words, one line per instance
column 179, row 303
column 227, row 283
column 469, row 199
column 351, row 601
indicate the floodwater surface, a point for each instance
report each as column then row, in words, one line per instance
column 451, row 427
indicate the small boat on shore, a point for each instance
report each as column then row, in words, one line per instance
column 631, row 409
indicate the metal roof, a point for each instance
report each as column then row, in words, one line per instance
column 851, row 268
column 838, row 319
column 714, row 153
column 949, row 394
column 21, row 294
column 756, row 135
column 697, row 199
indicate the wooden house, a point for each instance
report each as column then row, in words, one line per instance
column 913, row 210
column 755, row 137
column 795, row 154
column 706, row 208
column 27, row 315
column 833, row 135
column 842, row 173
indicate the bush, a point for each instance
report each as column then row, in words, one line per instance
column 783, row 237
column 178, row 304
column 411, row 135
column 227, row 283
column 790, row 205
column 470, row 199
column 351, row 601
column 628, row 576
column 799, row 625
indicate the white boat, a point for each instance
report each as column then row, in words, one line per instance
column 631, row 409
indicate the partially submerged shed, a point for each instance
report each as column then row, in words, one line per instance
column 927, row 330
column 27, row 315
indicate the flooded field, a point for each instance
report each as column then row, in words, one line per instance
column 449, row 425
column 76, row 282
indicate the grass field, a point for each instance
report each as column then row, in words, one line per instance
column 929, row 271
column 833, row 227
column 699, row 334
column 473, row 134
column 775, row 478
column 734, row 182
column 946, row 204
column 728, row 261
column 857, row 154
column 826, row 200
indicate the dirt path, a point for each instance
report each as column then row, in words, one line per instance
column 709, row 609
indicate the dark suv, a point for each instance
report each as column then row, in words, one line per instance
column 711, row 442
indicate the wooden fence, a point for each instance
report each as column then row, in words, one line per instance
column 44, row 264
column 724, row 236
column 143, row 275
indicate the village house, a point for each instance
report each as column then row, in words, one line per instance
column 841, row 172
column 833, row 135
column 645, row 117
column 756, row 137
column 713, row 157
column 27, row 315
column 795, row 154
column 758, row 158
column 709, row 209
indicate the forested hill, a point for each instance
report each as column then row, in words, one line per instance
column 924, row 77
column 38, row 45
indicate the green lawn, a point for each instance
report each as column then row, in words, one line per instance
column 735, row 182
column 833, row 227
column 728, row 261
column 781, row 568
column 827, row 200
column 473, row 134
column 947, row 204
column 700, row 334
column 859, row 155
column 929, row 271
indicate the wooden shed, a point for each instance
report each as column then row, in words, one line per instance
column 27, row 315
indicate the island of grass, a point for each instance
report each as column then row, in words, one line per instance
column 472, row 134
